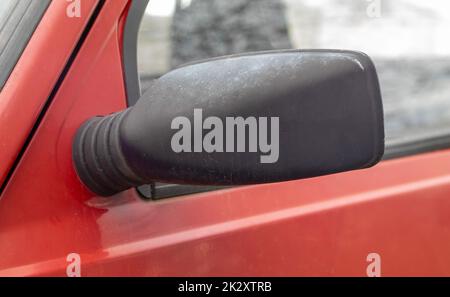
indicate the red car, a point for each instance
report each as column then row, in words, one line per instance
column 68, row 208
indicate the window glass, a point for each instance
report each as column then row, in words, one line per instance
column 407, row 39
column 18, row 19
column 5, row 7
column 6, row 11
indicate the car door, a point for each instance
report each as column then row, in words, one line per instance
column 394, row 214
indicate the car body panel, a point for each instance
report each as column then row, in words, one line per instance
column 34, row 76
column 321, row 226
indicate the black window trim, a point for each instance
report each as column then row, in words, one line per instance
column 129, row 46
column 418, row 145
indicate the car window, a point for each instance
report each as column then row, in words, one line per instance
column 407, row 40
column 18, row 19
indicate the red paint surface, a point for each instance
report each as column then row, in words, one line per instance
column 34, row 76
column 399, row 209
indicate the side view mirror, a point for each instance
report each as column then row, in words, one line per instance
column 236, row 120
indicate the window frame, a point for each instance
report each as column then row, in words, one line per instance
column 129, row 48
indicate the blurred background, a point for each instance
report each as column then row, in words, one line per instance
column 407, row 39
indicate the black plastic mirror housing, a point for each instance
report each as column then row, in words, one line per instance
column 236, row 120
